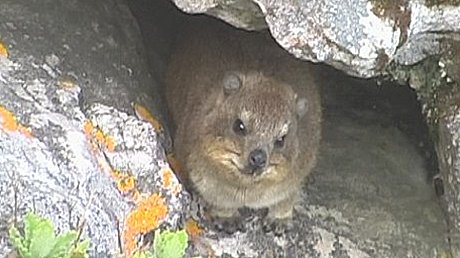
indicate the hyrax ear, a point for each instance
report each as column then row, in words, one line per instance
column 302, row 106
column 231, row 82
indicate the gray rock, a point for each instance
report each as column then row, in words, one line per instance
column 360, row 37
column 438, row 83
column 68, row 130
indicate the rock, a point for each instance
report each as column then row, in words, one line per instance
column 360, row 37
column 73, row 77
column 438, row 83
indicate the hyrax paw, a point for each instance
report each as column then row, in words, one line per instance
column 278, row 227
column 229, row 225
column 248, row 213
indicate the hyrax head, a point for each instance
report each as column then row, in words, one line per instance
column 256, row 119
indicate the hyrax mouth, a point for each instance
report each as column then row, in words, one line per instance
column 256, row 162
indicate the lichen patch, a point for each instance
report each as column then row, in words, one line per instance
column 3, row 49
column 9, row 123
column 144, row 114
column 98, row 137
column 192, row 228
column 125, row 183
column 145, row 217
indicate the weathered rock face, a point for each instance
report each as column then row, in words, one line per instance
column 69, row 134
column 358, row 36
column 437, row 82
column 71, row 146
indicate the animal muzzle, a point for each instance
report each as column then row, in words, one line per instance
column 257, row 161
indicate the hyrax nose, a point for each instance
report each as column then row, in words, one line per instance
column 257, row 159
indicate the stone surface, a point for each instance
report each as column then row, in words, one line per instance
column 70, row 142
column 360, row 37
column 437, row 81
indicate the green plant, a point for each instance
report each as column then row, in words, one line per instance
column 167, row 244
column 40, row 241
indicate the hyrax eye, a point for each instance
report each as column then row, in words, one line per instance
column 238, row 127
column 279, row 143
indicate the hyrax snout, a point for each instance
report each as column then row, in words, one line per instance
column 247, row 118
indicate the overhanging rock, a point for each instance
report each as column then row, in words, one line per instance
column 358, row 36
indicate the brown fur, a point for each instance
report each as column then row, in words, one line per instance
column 272, row 82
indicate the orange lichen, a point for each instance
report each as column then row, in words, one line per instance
column 144, row 114
column 8, row 122
column 192, row 228
column 3, row 49
column 88, row 128
column 136, row 196
column 169, row 181
column 116, row 174
column 110, row 143
column 100, row 137
column 167, row 176
column 144, row 218
column 126, row 184
column 25, row 131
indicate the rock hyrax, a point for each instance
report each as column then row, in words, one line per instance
column 247, row 118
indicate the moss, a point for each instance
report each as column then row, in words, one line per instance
column 67, row 81
column 433, row 81
column 397, row 11
column 244, row 12
column 386, row 8
column 431, row 3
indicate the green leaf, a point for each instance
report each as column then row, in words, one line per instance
column 169, row 244
column 31, row 223
column 18, row 242
column 43, row 238
column 63, row 244
column 80, row 250
column 40, row 241
column 145, row 254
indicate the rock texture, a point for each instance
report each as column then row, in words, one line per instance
column 360, row 37
column 71, row 146
column 437, row 82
